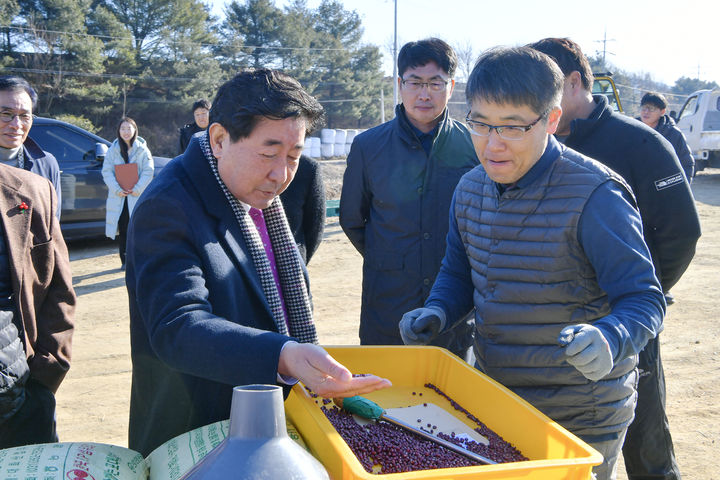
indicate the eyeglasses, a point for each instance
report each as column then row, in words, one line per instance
column 649, row 109
column 416, row 86
column 508, row 132
column 7, row 117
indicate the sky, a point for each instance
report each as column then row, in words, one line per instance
column 665, row 39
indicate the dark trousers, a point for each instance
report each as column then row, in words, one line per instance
column 122, row 230
column 34, row 422
column 648, row 448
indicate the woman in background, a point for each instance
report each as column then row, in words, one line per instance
column 126, row 149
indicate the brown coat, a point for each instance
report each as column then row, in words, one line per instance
column 40, row 272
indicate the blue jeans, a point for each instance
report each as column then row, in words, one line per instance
column 610, row 450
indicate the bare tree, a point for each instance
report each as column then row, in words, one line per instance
column 466, row 58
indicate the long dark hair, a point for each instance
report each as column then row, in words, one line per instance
column 123, row 145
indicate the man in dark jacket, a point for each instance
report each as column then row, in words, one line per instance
column 671, row 228
column 218, row 294
column 547, row 245
column 396, row 195
column 653, row 108
column 201, row 112
column 304, row 204
column 17, row 149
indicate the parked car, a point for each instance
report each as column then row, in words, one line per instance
column 80, row 155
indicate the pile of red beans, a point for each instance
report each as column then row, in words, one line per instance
column 396, row 450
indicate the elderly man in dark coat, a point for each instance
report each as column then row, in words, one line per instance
column 218, row 292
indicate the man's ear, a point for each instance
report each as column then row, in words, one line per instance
column 575, row 80
column 218, row 136
column 553, row 120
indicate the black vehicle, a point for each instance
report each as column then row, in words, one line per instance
column 80, row 155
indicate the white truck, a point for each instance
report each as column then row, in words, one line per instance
column 699, row 120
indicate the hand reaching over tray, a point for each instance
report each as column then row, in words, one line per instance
column 313, row 366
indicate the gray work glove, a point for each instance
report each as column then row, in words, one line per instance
column 587, row 350
column 422, row 325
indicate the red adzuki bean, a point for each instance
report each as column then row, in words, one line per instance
column 395, row 450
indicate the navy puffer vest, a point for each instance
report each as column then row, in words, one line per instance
column 531, row 279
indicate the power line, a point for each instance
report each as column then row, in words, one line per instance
column 118, row 76
column 100, row 75
column 637, row 89
column 140, row 100
column 22, row 29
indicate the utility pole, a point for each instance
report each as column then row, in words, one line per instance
column 124, row 91
column 395, row 72
column 604, row 47
column 382, row 105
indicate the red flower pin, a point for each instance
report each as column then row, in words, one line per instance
column 23, row 206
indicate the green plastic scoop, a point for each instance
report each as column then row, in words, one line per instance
column 365, row 408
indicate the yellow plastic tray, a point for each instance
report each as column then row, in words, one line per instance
column 554, row 453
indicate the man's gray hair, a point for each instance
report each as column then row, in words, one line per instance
column 517, row 76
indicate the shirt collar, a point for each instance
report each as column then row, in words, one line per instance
column 422, row 135
column 244, row 205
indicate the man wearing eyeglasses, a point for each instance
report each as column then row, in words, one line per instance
column 396, row 194
column 17, row 102
column 547, row 246
column 653, row 108
column 671, row 228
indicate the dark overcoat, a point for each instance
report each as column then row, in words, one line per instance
column 199, row 320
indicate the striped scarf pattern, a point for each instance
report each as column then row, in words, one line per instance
column 287, row 259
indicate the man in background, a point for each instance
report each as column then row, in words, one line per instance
column 671, row 228
column 37, row 304
column 653, row 113
column 201, row 113
column 17, row 103
column 396, row 193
